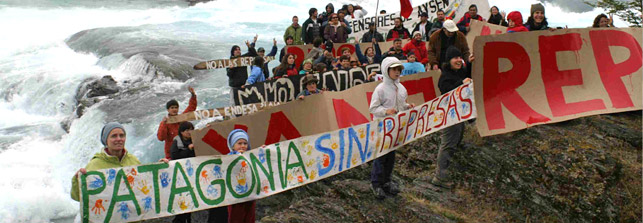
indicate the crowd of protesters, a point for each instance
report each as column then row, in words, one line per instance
column 439, row 44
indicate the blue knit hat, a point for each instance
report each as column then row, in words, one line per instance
column 235, row 135
column 107, row 129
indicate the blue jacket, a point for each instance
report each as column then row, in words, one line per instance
column 412, row 68
column 362, row 58
column 256, row 75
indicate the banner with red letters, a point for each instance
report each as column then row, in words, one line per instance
column 533, row 78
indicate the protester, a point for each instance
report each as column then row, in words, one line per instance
column 327, row 59
column 112, row 155
column 344, row 63
column 289, row 41
column 183, row 148
column 412, row 66
column 295, row 31
column 497, row 17
column 262, row 53
column 238, row 143
column 167, row 131
column 437, row 24
column 306, row 67
column 442, row 39
column 341, row 14
column 398, row 31
column 396, row 50
column 320, row 68
column 287, row 67
column 237, row 76
column 601, row 21
column 317, row 51
column 355, row 12
column 335, row 31
column 372, row 55
column 424, row 26
column 372, row 33
column 416, row 44
column 515, row 22
column 325, row 17
column 454, row 74
column 256, row 72
column 345, row 51
column 310, row 81
column 389, row 98
column 312, row 27
column 465, row 21
column 537, row 20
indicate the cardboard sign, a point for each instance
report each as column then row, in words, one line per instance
column 287, row 88
column 315, row 114
column 479, row 28
column 453, row 8
column 222, row 113
column 302, row 51
column 229, row 63
column 149, row 191
column 533, row 78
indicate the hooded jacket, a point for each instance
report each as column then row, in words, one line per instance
column 516, row 17
column 296, row 33
column 101, row 161
column 237, row 76
column 324, row 16
column 311, row 29
column 419, row 47
column 388, row 94
column 167, row 131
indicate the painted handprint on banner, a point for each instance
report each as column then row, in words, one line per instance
column 143, row 187
column 262, row 156
column 189, row 168
column 212, row 191
column 124, row 210
column 111, row 175
column 96, row 183
column 243, row 186
column 165, row 179
column 98, row 206
column 147, row 201
column 216, row 171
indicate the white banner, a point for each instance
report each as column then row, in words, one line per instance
column 156, row 190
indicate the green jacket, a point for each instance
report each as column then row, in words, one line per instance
column 103, row 161
column 295, row 33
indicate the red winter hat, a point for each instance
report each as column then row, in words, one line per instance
column 516, row 17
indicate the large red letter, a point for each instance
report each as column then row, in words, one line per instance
column 554, row 79
column 424, row 86
column 280, row 125
column 346, row 115
column 610, row 72
column 500, row 88
column 218, row 142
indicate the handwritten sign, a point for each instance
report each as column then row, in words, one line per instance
column 526, row 79
column 229, row 63
column 223, row 113
column 313, row 115
column 156, row 190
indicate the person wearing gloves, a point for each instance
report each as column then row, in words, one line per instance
column 454, row 74
column 112, row 155
column 389, row 98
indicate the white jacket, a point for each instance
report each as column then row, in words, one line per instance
column 388, row 94
column 360, row 13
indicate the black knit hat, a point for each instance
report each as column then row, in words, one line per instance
column 453, row 52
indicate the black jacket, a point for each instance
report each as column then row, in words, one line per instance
column 311, row 30
column 180, row 150
column 498, row 20
column 237, row 76
column 368, row 37
column 451, row 79
column 427, row 29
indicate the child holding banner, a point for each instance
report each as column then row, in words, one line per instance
column 167, row 131
column 238, row 143
column 454, row 74
column 388, row 98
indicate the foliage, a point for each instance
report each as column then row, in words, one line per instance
column 628, row 10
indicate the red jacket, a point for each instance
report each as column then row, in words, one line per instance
column 419, row 48
column 167, row 132
column 466, row 20
column 516, row 17
column 242, row 212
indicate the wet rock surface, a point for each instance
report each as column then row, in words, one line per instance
column 582, row 170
